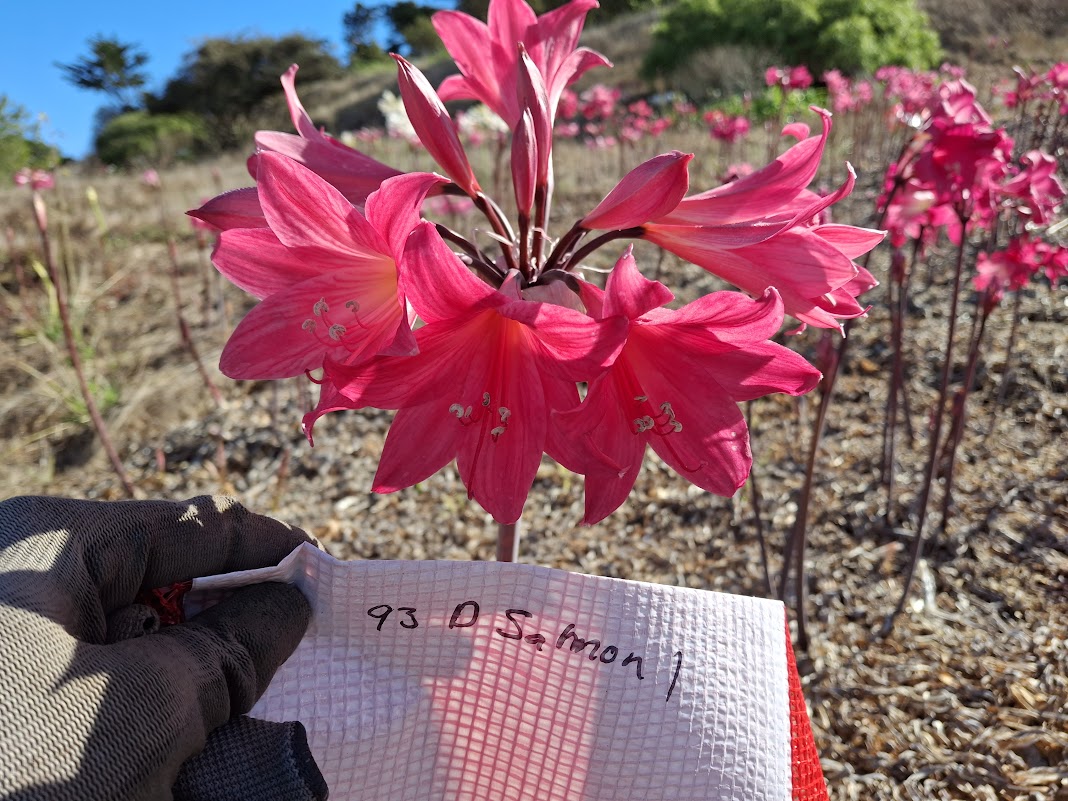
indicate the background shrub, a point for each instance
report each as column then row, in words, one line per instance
column 850, row 35
column 139, row 138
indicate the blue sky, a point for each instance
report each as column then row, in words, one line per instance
column 36, row 33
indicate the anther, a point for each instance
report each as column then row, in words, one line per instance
column 320, row 307
column 486, row 399
column 308, row 325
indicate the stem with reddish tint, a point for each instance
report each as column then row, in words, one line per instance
column 797, row 541
column 956, row 430
column 508, row 542
column 935, row 437
column 754, row 495
column 40, row 215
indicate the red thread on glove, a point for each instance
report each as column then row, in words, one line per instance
column 167, row 601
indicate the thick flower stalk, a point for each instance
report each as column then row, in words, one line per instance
column 498, row 351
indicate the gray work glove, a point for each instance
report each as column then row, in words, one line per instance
column 88, row 711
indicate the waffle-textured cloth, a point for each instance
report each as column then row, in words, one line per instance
column 485, row 681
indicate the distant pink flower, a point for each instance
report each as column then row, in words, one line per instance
column 35, row 179
column 726, row 128
column 150, row 178
column 1007, row 270
column 520, row 361
column 1036, row 185
column 326, row 275
column 675, row 387
column 799, row 78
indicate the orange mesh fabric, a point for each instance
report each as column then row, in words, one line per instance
column 808, row 783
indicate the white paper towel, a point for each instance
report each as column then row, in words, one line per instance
column 464, row 681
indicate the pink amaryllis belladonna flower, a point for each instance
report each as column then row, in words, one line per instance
column 675, row 387
column 327, row 275
column 491, row 367
column 759, row 231
column 487, row 53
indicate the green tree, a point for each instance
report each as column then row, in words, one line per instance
column 414, row 32
column 358, row 25
column 112, row 67
column 20, row 141
column 231, row 83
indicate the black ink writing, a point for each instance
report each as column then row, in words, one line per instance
column 383, row 611
column 468, row 608
column 510, row 614
column 675, row 678
column 638, row 664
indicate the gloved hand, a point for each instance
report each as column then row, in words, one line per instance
column 88, row 713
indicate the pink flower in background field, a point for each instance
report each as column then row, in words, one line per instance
column 35, row 179
column 675, row 387
column 1036, row 186
column 726, row 128
column 1009, row 269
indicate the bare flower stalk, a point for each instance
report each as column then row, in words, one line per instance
column 934, row 442
column 183, row 326
column 508, row 542
column 41, row 218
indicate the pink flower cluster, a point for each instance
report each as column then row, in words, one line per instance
column 35, row 179
column 599, row 118
column 482, row 345
column 1036, row 86
column 951, row 174
column 1011, row 268
column 846, row 94
column 725, row 128
column 788, row 77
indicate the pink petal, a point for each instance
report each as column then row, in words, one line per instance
column 573, row 68
column 533, row 98
column 351, row 172
column 434, row 126
column 238, row 208
column 394, row 209
column 573, row 346
column 419, row 443
column 258, row 263
column 721, row 317
column 524, row 164
column 301, row 121
column 631, row 294
column 852, row 241
column 498, row 467
column 757, row 194
column 647, row 192
column 436, row 282
column 305, row 211
column 711, row 449
column 273, row 342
